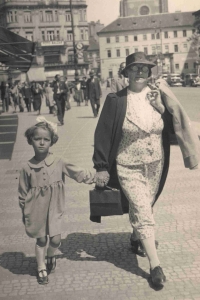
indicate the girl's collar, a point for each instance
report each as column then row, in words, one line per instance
column 33, row 163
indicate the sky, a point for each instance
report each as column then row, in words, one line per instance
column 108, row 10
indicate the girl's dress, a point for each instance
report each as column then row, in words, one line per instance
column 140, row 161
column 42, row 193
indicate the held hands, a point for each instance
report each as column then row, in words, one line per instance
column 102, row 178
column 155, row 100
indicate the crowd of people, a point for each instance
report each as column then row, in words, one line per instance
column 22, row 96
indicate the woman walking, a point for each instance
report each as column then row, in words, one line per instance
column 37, row 93
column 131, row 150
column 48, row 91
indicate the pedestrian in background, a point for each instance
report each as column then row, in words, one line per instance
column 84, row 87
column 48, row 93
column 78, row 94
column 119, row 83
column 132, row 148
column 93, row 93
column 14, row 96
column 42, row 194
column 59, row 94
column 68, row 87
column 27, row 94
column 37, row 93
column 5, row 96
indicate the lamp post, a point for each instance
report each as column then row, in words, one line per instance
column 74, row 44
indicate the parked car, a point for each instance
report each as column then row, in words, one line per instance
column 165, row 76
column 190, row 80
column 174, row 79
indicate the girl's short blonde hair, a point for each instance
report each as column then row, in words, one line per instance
column 29, row 133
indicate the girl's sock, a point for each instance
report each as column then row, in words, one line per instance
column 40, row 257
column 51, row 250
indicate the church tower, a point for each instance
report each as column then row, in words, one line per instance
column 142, row 7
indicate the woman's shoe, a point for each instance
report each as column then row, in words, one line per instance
column 51, row 264
column 44, row 278
column 137, row 248
column 157, row 276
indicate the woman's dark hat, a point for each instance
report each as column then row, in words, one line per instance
column 137, row 58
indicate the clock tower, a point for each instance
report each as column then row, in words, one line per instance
column 140, row 7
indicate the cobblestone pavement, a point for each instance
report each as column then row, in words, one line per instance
column 95, row 261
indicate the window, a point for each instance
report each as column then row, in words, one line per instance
column 67, row 16
column 15, row 16
column 144, row 10
column 109, row 53
column 43, row 35
column 118, row 52
column 158, row 35
column 82, row 34
column 86, row 34
column 184, row 33
column 185, row 65
column 175, row 34
column 153, row 50
column 48, row 16
column 158, row 49
column 146, row 50
column 27, row 17
column 69, row 35
column 71, row 57
column 56, row 16
column 185, row 46
column 110, row 74
column 50, row 35
column 126, row 38
column 175, row 48
column 41, row 16
column 108, row 40
column 166, row 48
column 194, row 65
column 177, row 66
column 84, row 15
column 193, row 30
column 57, row 35
column 136, row 50
column 127, row 52
column 144, row 37
column 117, row 39
column 29, row 35
column 153, row 36
column 166, row 34
column 135, row 38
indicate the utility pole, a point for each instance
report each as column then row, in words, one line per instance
column 74, row 43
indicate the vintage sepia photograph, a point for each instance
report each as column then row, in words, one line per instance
column 99, row 150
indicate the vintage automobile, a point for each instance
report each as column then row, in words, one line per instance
column 191, row 80
column 174, row 79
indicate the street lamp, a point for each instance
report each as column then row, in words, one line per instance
column 74, row 44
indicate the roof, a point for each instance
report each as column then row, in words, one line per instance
column 164, row 20
column 93, row 44
column 16, row 52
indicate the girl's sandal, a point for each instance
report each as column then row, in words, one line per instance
column 44, row 278
column 51, row 264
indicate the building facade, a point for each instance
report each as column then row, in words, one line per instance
column 163, row 37
column 48, row 23
column 140, row 7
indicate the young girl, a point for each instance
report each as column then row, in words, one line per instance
column 41, row 193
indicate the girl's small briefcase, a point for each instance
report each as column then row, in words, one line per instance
column 106, row 202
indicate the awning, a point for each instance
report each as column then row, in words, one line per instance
column 36, row 74
column 16, row 52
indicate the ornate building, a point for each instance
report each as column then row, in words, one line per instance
column 49, row 24
column 163, row 37
column 140, row 7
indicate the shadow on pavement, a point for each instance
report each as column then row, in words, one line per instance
column 109, row 247
column 113, row 248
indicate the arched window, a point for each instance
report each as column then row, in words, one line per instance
column 144, row 10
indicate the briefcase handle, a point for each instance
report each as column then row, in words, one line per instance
column 105, row 187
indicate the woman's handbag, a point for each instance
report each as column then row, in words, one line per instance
column 105, row 202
